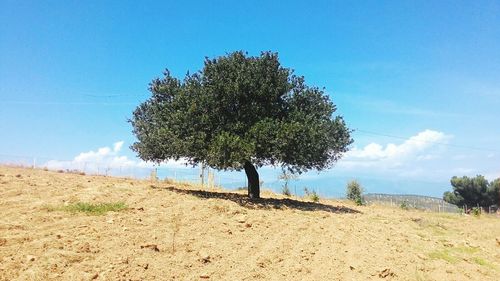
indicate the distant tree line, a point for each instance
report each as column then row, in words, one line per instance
column 473, row 191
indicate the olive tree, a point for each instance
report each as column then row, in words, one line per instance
column 240, row 112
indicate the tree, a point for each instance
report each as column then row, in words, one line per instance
column 472, row 191
column 354, row 192
column 453, row 198
column 494, row 192
column 240, row 112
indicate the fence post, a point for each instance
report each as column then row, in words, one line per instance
column 202, row 174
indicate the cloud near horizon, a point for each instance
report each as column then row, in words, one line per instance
column 106, row 158
column 424, row 146
column 409, row 158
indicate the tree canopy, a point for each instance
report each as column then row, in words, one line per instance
column 473, row 191
column 240, row 112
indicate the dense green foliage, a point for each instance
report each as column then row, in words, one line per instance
column 354, row 192
column 240, row 112
column 473, row 191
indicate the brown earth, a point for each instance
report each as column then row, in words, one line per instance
column 222, row 236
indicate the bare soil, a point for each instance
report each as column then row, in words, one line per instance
column 176, row 232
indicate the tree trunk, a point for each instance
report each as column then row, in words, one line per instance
column 253, row 180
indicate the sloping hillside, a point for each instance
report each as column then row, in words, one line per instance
column 170, row 232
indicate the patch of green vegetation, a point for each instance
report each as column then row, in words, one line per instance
column 89, row 208
column 438, row 229
column 455, row 254
column 95, row 209
column 483, row 262
column 466, row 250
column 443, row 255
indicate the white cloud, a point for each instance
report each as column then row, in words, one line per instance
column 493, row 175
column 422, row 147
column 117, row 146
column 106, row 159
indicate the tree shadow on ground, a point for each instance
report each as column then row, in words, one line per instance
column 263, row 203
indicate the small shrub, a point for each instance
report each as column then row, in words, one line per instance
column 404, row 205
column 311, row 194
column 354, row 192
column 359, row 201
column 476, row 211
column 286, row 191
column 286, row 177
column 314, row 196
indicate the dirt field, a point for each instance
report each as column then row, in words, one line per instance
column 176, row 233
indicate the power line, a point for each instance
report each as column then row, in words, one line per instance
column 135, row 103
column 68, row 103
column 114, row 95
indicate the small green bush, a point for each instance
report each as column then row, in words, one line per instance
column 314, row 196
column 354, row 192
column 311, row 194
column 476, row 211
column 404, row 205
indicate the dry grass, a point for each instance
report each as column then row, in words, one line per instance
column 172, row 231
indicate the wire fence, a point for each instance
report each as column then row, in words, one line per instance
column 210, row 178
column 130, row 169
column 412, row 201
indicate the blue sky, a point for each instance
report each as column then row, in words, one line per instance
column 419, row 80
